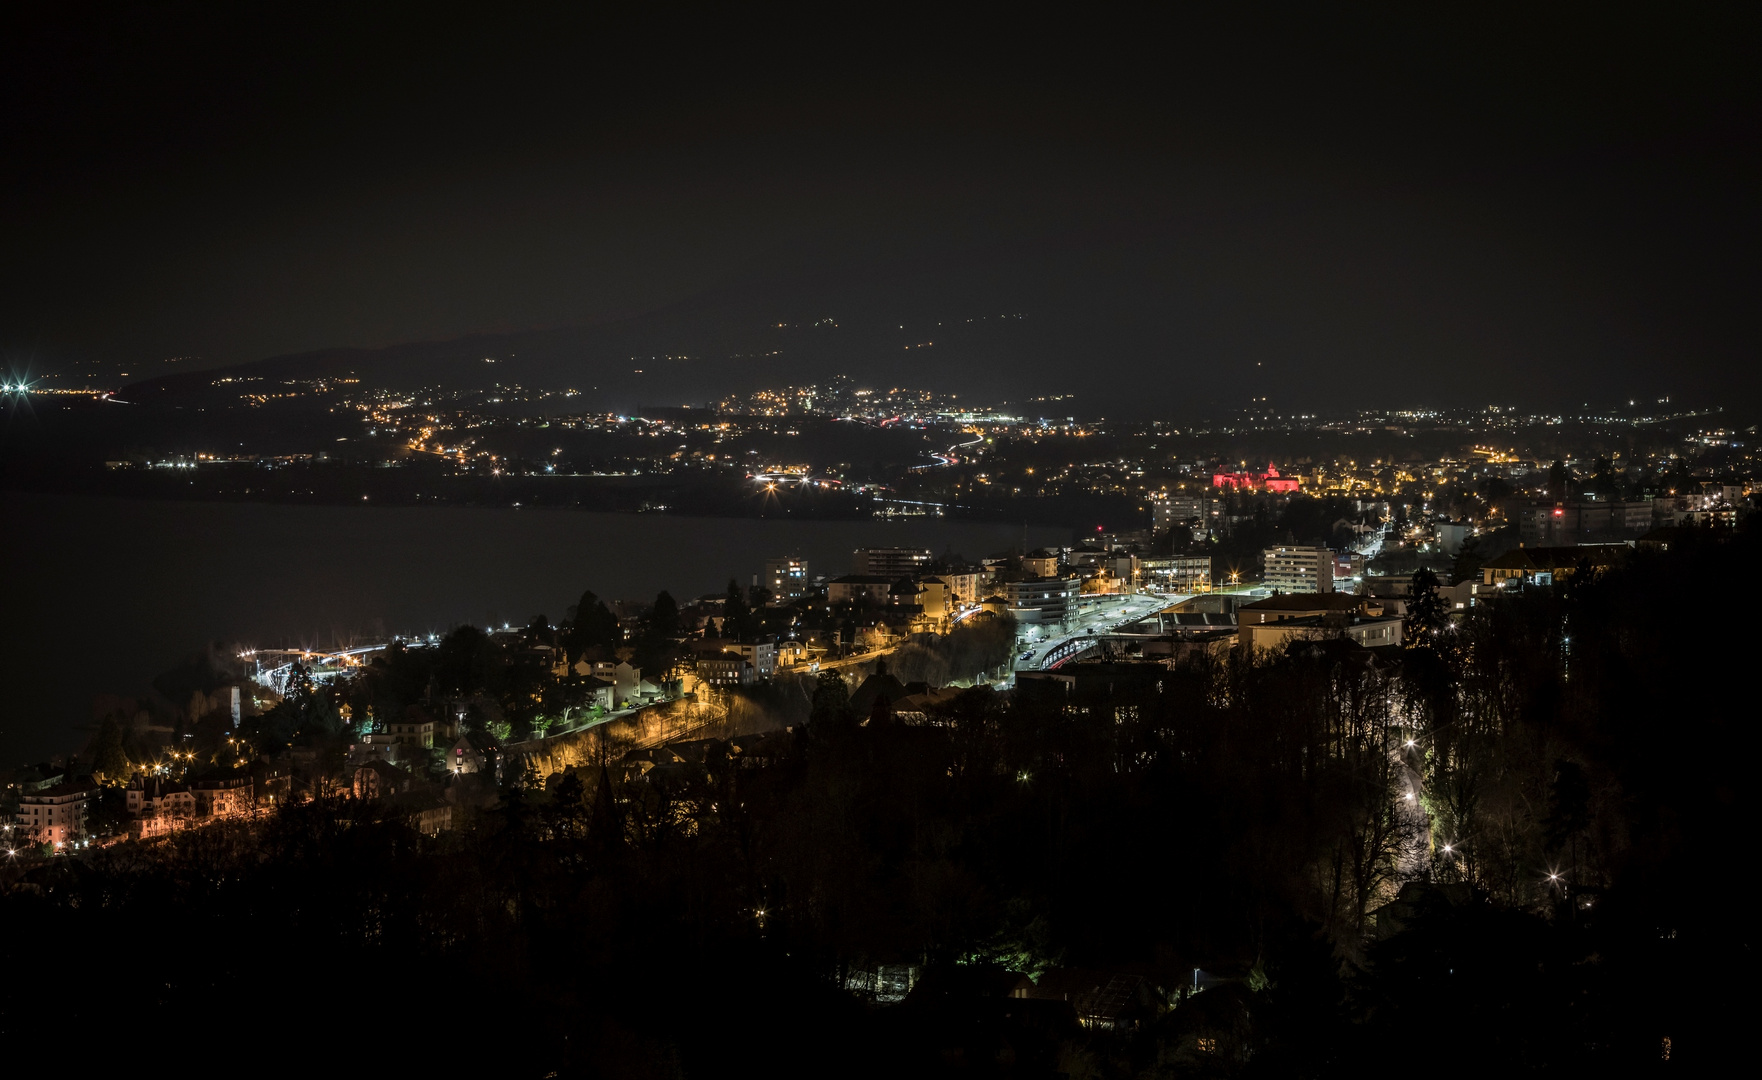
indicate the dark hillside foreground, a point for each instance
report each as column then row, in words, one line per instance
column 1214, row 871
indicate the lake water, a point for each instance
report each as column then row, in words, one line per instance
column 103, row 594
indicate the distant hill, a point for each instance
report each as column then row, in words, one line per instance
column 680, row 356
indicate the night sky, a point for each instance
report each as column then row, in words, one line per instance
column 1377, row 207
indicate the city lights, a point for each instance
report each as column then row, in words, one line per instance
column 492, row 502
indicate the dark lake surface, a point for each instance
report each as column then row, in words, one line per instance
column 103, row 594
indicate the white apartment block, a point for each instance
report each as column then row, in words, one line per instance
column 1299, row 569
column 53, row 816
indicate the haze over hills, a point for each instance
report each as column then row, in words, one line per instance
column 669, row 358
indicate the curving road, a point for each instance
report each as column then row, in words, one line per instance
column 1096, row 615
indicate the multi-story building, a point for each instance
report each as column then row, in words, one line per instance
column 1276, row 621
column 786, row 578
column 853, row 587
column 1253, row 481
column 1546, row 523
column 724, row 667
column 142, row 794
column 963, row 585
column 762, row 655
column 1452, row 535
column 1182, row 573
column 1713, row 494
column 933, row 598
column 223, row 796
column 1047, row 600
column 157, row 796
column 415, row 729
column 53, row 815
column 1183, row 509
column 1087, row 556
column 1299, row 569
column 890, row 562
column 1041, row 562
column 1707, row 503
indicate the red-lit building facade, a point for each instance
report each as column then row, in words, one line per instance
column 1255, row 481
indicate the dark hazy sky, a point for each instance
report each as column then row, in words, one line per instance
column 1467, row 204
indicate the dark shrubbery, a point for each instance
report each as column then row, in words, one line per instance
column 1576, row 749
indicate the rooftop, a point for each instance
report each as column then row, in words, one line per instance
column 1305, row 602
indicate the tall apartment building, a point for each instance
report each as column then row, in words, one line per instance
column 963, row 584
column 1452, row 535
column 787, row 578
column 853, row 587
column 1184, row 510
column 1299, row 569
column 893, row 562
column 1042, row 600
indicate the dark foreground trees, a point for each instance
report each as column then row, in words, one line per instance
column 1550, row 899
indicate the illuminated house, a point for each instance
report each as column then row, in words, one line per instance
column 724, row 668
column 224, row 795
column 1253, row 481
column 381, row 780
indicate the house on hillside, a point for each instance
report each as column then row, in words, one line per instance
column 475, row 752
column 875, row 697
column 924, row 706
column 381, row 780
column 414, row 728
